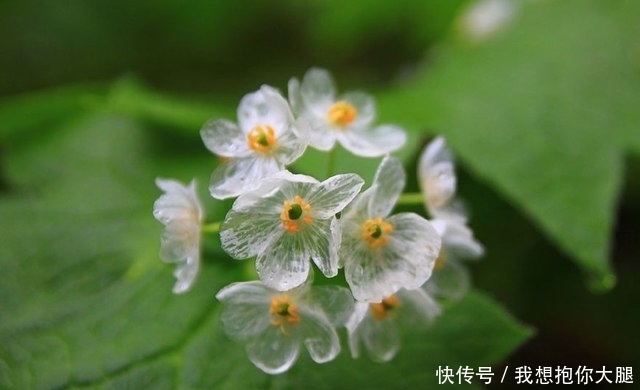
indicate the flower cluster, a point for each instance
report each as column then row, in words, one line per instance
column 291, row 224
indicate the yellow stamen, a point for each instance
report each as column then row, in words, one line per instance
column 381, row 310
column 341, row 114
column 294, row 213
column 374, row 232
column 261, row 139
column 282, row 312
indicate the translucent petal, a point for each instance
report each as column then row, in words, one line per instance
column 374, row 142
column 246, row 310
column 292, row 140
column 185, row 273
column 239, row 175
column 365, row 108
column 321, row 136
column 451, row 281
column 416, row 307
column 436, row 173
column 295, row 96
column 381, row 338
column 318, row 91
column 272, row 351
column 458, row 240
column 224, row 138
column 246, row 234
column 417, row 242
column 333, row 194
column 353, row 327
column 264, row 107
column 319, row 336
column 336, row 302
column 389, row 182
column 285, row 264
column 178, row 202
column 321, row 240
column 268, row 197
column 180, row 239
column 405, row 261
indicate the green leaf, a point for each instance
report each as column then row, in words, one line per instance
column 543, row 112
column 90, row 303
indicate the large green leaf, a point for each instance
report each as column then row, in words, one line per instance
column 543, row 112
column 87, row 303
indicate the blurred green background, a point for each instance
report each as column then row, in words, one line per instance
column 97, row 98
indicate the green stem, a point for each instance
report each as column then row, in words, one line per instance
column 213, row 227
column 331, row 161
column 411, row 198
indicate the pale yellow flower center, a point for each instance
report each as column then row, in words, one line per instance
column 261, row 139
column 380, row 310
column 295, row 213
column 341, row 114
column 374, row 232
column 283, row 312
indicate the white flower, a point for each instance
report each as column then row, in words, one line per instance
column 377, row 325
column 382, row 254
column 180, row 211
column 265, row 141
column 286, row 221
column 436, row 173
column 437, row 178
column 275, row 323
column 450, row 277
column 347, row 119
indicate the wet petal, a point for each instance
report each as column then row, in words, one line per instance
column 353, row 327
column 336, row 302
column 381, row 338
column 264, row 107
column 236, row 176
column 389, row 182
column 417, row 307
column 285, row 264
column 224, row 138
column 244, row 235
column 319, row 336
column 178, row 202
column 272, row 351
column 318, row 91
column 334, row 194
column 185, row 273
column 436, row 173
column 374, row 142
column 246, row 310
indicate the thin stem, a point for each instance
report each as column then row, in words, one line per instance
column 213, row 227
column 331, row 161
column 411, row 198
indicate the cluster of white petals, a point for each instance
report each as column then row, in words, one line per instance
column 287, row 222
column 377, row 325
column 180, row 211
column 347, row 119
column 266, row 139
column 380, row 253
column 436, row 174
column 274, row 323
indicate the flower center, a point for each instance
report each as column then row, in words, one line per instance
column 261, row 139
column 282, row 312
column 374, row 232
column 380, row 310
column 294, row 213
column 341, row 114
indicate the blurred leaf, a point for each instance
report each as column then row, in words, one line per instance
column 542, row 112
column 90, row 303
